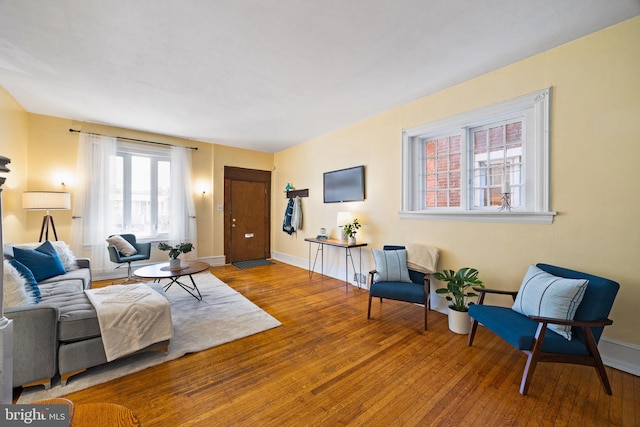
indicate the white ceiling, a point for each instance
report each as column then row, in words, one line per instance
column 267, row 74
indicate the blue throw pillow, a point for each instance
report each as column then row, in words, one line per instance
column 43, row 261
column 391, row 266
column 31, row 285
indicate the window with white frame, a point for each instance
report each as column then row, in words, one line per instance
column 140, row 190
column 459, row 167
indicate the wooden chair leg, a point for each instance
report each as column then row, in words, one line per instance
column 426, row 310
column 472, row 331
column 529, row 368
column 532, row 359
column 369, row 310
column 593, row 349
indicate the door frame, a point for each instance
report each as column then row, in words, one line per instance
column 232, row 173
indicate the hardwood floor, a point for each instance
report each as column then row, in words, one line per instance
column 328, row 365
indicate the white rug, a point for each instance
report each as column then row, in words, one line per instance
column 223, row 315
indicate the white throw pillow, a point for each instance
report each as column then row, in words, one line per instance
column 391, row 266
column 124, row 247
column 15, row 292
column 543, row 294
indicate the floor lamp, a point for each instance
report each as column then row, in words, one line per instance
column 46, row 201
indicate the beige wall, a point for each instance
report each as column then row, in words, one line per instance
column 42, row 149
column 13, row 144
column 595, row 147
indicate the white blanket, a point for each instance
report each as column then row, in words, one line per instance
column 422, row 258
column 131, row 317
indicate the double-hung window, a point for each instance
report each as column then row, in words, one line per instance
column 464, row 166
column 140, row 190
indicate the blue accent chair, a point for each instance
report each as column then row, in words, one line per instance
column 144, row 253
column 416, row 292
column 530, row 335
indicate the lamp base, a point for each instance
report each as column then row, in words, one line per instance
column 44, row 230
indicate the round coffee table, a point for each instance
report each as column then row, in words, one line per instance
column 162, row 271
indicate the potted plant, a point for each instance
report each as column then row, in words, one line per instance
column 350, row 230
column 457, row 284
column 174, row 252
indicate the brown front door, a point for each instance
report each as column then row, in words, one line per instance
column 247, row 214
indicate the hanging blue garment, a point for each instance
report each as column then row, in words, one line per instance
column 286, row 224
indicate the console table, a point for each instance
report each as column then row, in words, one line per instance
column 347, row 254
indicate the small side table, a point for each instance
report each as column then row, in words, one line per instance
column 347, row 254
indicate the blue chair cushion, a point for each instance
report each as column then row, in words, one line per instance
column 43, row 261
column 519, row 330
column 136, row 257
column 401, row 291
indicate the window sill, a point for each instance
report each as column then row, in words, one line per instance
column 483, row 216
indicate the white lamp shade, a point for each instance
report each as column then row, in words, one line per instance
column 46, row 200
column 344, row 218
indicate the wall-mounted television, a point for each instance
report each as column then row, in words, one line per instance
column 344, row 185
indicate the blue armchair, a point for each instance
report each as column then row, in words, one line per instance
column 416, row 291
column 143, row 253
column 532, row 336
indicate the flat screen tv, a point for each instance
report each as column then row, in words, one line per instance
column 344, row 185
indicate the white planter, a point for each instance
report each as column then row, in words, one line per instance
column 174, row 264
column 459, row 321
column 352, row 240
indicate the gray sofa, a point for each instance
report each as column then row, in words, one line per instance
column 61, row 334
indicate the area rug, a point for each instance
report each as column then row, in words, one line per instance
column 252, row 263
column 223, row 315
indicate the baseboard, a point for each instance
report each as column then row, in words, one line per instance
column 214, row 261
column 330, row 270
column 620, row 355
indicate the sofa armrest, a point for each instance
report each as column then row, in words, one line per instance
column 35, row 343
column 83, row 262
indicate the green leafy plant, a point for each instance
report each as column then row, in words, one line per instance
column 351, row 229
column 175, row 251
column 457, row 284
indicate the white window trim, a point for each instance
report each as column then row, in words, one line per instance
column 125, row 149
column 540, row 214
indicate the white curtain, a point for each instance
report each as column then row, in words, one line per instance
column 183, row 211
column 91, row 208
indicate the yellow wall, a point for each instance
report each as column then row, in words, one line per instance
column 595, row 149
column 13, row 144
column 42, row 149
